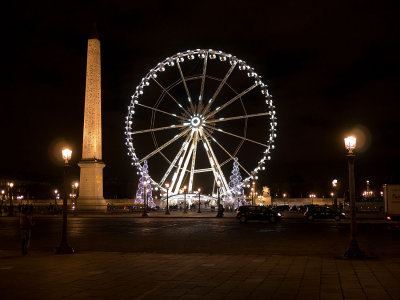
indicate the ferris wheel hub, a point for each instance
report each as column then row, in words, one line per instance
column 195, row 121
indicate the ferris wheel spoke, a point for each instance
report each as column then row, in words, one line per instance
column 165, row 145
column 158, row 129
column 238, row 136
column 184, row 83
column 172, row 97
column 203, row 79
column 183, row 170
column 193, row 162
column 238, row 117
column 217, row 165
column 229, row 102
column 161, row 111
column 171, row 166
column 207, row 108
column 226, row 151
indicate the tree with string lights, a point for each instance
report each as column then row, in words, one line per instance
column 236, row 184
column 144, row 193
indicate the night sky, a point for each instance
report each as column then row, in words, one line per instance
column 331, row 66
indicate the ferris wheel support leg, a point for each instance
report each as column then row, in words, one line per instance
column 178, row 169
column 174, row 161
column 183, row 171
column 225, row 187
column 193, row 162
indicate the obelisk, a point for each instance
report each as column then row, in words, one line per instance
column 91, row 165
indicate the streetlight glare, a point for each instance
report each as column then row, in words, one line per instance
column 350, row 143
column 66, row 154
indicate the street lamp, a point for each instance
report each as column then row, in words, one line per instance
column 2, row 197
column 184, row 197
column 55, row 196
column 312, row 196
column 334, row 185
column 199, row 190
column 167, row 211
column 253, row 190
column 75, row 186
column 145, row 200
column 353, row 251
column 220, row 213
column 10, row 196
column 64, row 248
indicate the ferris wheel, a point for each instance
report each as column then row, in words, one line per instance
column 193, row 114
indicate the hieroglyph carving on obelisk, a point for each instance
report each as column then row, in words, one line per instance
column 91, row 180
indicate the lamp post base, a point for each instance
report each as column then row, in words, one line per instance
column 64, row 248
column 354, row 251
column 220, row 214
column 167, row 212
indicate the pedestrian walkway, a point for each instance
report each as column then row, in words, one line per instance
column 110, row 275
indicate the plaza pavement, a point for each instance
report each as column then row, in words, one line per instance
column 111, row 275
column 148, row 275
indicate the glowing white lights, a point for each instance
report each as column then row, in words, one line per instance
column 197, row 123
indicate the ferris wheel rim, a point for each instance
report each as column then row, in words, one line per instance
column 205, row 54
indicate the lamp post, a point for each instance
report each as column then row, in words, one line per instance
column 353, row 251
column 199, row 190
column 10, row 196
column 334, row 185
column 220, row 213
column 312, row 196
column 253, row 190
column 64, row 248
column 55, row 197
column 75, row 189
column 2, row 197
column 167, row 211
column 184, row 197
column 145, row 200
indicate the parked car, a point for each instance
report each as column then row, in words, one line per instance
column 323, row 212
column 252, row 212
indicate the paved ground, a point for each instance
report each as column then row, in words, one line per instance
column 116, row 275
column 200, row 258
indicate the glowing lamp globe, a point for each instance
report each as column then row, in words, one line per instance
column 66, row 154
column 350, row 143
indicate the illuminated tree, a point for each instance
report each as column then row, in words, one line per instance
column 144, row 187
column 236, row 184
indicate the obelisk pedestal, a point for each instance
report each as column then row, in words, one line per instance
column 91, row 179
column 91, row 186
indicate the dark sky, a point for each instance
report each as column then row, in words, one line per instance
column 332, row 67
